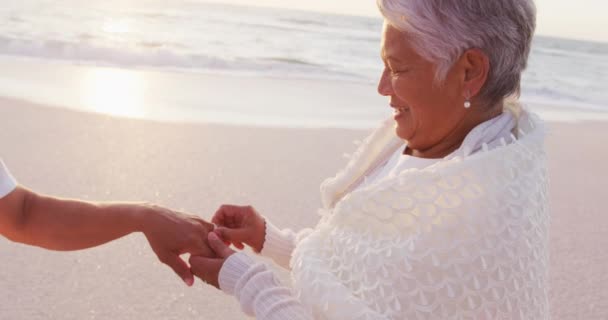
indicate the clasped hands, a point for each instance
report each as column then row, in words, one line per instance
column 207, row 243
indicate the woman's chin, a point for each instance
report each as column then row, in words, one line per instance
column 402, row 132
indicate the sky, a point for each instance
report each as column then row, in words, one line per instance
column 581, row 19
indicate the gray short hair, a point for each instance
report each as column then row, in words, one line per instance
column 443, row 29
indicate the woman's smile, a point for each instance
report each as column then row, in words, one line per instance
column 399, row 112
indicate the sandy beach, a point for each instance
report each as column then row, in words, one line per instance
column 196, row 167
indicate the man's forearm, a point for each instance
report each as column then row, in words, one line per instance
column 61, row 224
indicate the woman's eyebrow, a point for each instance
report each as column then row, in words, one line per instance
column 396, row 60
column 391, row 58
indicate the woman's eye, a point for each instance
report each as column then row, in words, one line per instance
column 394, row 72
column 397, row 72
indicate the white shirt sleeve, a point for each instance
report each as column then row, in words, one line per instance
column 7, row 182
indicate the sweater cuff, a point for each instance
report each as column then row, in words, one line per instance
column 232, row 270
column 278, row 244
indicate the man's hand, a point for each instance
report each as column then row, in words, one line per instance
column 171, row 234
column 240, row 225
column 208, row 269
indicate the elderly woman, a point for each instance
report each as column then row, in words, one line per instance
column 442, row 212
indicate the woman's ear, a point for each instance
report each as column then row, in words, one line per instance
column 476, row 66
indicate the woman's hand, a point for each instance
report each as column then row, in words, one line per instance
column 171, row 233
column 208, row 269
column 240, row 225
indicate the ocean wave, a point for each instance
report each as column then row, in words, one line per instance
column 571, row 53
column 292, row 61
column 554, row 97
column 301, row 21
column 152, row 54
column 328, row 32
column 568, row 45
column 161, row 55
column 15, row 19
column 271, row 26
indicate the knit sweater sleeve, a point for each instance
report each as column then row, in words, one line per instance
column 279, row 244
column 258, row 290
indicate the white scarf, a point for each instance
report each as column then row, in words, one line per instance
column 463, row 238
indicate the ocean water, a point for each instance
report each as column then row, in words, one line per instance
column 199, row 37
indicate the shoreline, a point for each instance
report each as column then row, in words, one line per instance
column 257, row 101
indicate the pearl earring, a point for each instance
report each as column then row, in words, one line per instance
column 467, row 101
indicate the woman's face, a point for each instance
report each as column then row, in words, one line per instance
column 425, row 113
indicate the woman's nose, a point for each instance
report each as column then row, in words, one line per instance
column 385, row 87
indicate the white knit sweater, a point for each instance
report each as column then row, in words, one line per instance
column 261, row 294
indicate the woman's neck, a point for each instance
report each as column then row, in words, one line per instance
column 454, row 140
